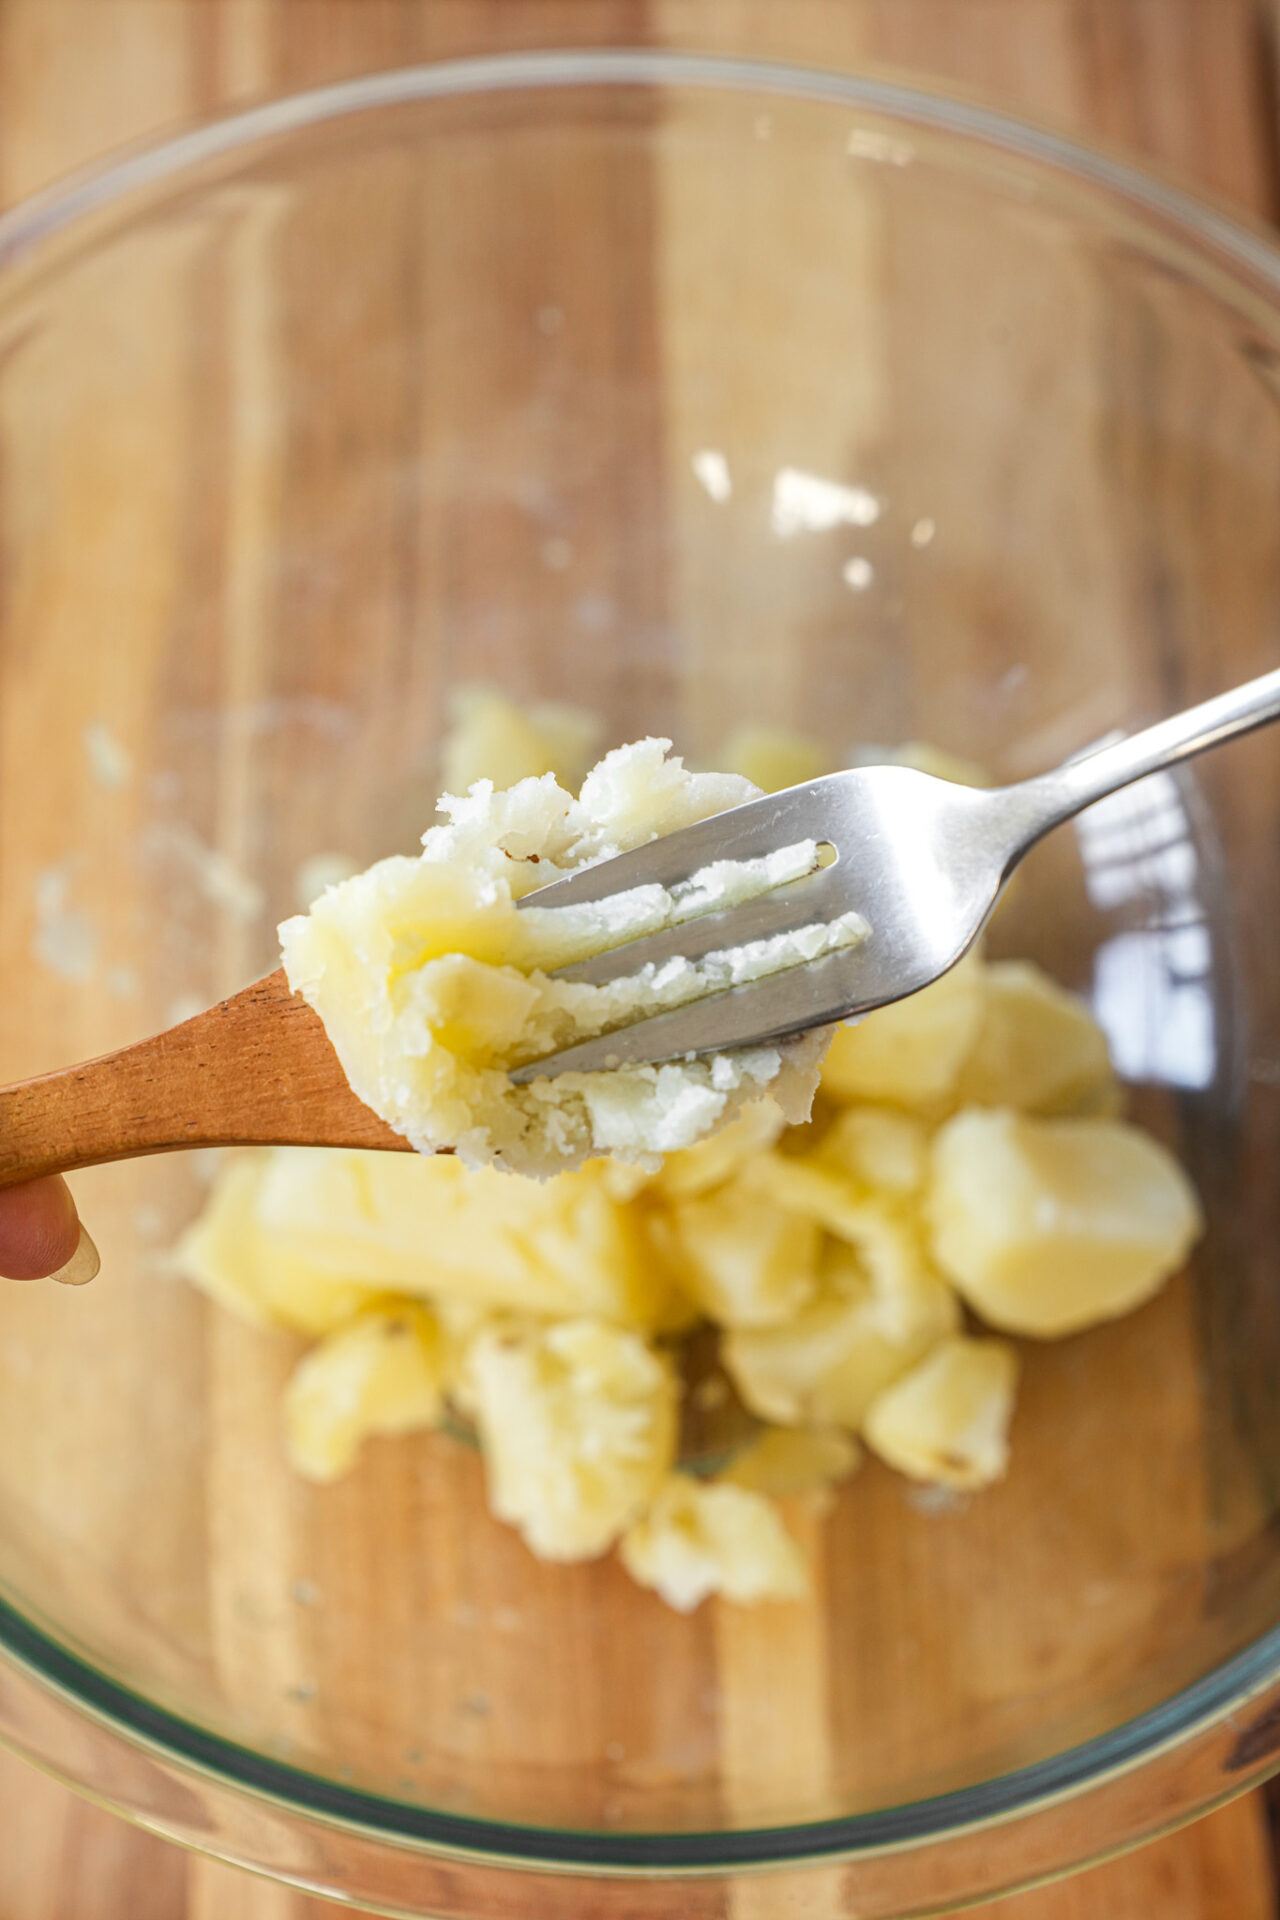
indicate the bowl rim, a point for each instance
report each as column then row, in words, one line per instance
column 1243, row 244
column 1250, row 1679
column 1216, row 239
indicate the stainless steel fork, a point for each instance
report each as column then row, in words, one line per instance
column 924, row 860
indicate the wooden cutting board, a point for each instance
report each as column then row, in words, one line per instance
column 1190, row 83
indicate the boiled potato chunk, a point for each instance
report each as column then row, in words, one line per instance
column 878, row 1147
column 577, row 1425
column 948, row 1419
column 703, row 1537
column 745, row 1261
column 492, row 738
column 938, row 762
column 1046, row 1226
column 714, row 1160
column 828, row 1363
column 461, row 1323
column 772, row 758
column 885, row 1237
column 820, row 1190
column 225, row 1252
column 382, row 1374
column 409, row 1224
column 431, row 984
column 793, row 1460
column 911, row 1052
column 963, row 1151
column 1038, row 1047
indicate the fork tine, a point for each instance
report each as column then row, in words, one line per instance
column 818, row 896
column 743, row 833
column 763, row 1010
column 814, row 994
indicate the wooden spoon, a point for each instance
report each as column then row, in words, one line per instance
column 256, row 1070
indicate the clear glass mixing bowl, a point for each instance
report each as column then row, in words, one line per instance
column 695, row 393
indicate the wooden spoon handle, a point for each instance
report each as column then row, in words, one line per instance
column 257, row 1069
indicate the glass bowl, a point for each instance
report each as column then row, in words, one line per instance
column 693, row 392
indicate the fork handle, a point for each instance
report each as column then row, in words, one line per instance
column 1050, row 798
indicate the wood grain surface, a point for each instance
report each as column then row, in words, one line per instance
column 1189, row 83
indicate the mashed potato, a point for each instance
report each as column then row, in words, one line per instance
column 964, row 1156
column 432, row 985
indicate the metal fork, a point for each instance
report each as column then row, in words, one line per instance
column 924, row 860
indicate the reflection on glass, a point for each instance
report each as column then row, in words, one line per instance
column 806, row 503
column 1152, row 992
column 711, row 470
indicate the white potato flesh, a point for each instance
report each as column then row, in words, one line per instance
column 707, row 1537
column 828, row 1363
column 910, row 1053
column 883, row 1234
column 228, row 1255
column 1047, row 1226
column 1038, row 1047
column 834, row 1261
column 435, row 1228
column 383, row 1373
column 947, row 1420
column 773, row 758
column 932, row 760
column 431, row 985
column 494, row 738
column 785, row 1461
column 744, row 1260
column 713, row 1161
column 577, row 1425
column 878, row 1147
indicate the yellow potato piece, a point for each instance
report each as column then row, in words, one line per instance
column 883, row 1235
column 773, row 758
column 382, row 1374
column 703, row 1537
column 744, row 1260
column 409, row 1224
column 431, row 984
column 713, row 1161
column 461, row 1323
column 947, row 1420
column 492, row 738
column 225, row 1252
column 833, row 1259
column 577, row 1425
column 934, row 760
column 828, row 1363
column 1038, row 1047
column 1047, row 1226
column 877, row 1147
column 911, row 1052
column 785, row 1461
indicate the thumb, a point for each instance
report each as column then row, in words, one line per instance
column 41, row 1235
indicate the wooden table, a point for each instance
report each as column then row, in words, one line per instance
column 1192, row 84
